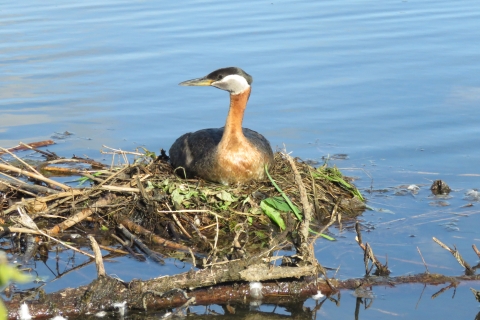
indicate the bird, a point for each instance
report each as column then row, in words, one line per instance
column 230, row 154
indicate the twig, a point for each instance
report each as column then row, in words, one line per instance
column 457, row 255
column 133, row 227
column 476, row 250
column 98, row 257
column 178, row 223
column 20, row 160
column 19, row 230
column 32, row 145
column 17, row 188
column 81, row 215
column 125, row 245
column 119, row 151
column 307, row 206
column 33, row 226
column 152, row 254
column 33, row 175
column 119, row 189
column 424, row 263
column 29, row 187
column 114, row 250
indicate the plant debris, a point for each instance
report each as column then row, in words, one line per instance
column 182, row 215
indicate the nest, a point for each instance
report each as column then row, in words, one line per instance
column 176, row 215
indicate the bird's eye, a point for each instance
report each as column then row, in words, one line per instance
column 219, row 77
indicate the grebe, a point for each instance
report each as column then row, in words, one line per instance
column 230, row 154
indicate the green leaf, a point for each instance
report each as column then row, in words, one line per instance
column 273, row 214
column 177, row 196
column 287, row 199
column 323, row 235
column 280, row 204
column 226, row 196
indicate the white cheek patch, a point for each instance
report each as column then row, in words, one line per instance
column 232, row 83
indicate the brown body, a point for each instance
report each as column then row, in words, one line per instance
column 231, row 154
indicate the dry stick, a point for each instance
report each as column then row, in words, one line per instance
column 17, row 188
column 19, row 230
column 368, row 253
column 114, row 250
column 10, row 177
column 28, row 222
column 133, row 227
column 178, row 222
column 119, row 189
column 98, row 257
column 62, row 170
column 119, row 151
column 33, row 175
column 476, row 250
column 91, row 177
column 138, row 256
column 29, row 187
column 151, row 254
column 81, row 215
column 73, row 192
column 456, row 254
column 307, row 212
column 333, row 218
column 424, row 263
column 476, row 293
column 21, row 161
column 24, row 146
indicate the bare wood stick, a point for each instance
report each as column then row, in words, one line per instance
column 119, row 151
column 17, row 188
column 19, row 230
column 112, row 249
column 67, row 245
column 23, row 146
column 456, row 254
column 81, row 215
column 120, row 189
column 10, row 177
column 304, row 248
column 133, row 227
column 98, row 257
column 135, row 255
column 476, row 250
column 72, row 192
column 424, row 263
column 91, row 177
column 20, row 160
column 111, row 177
column 33, row 175
column 178, row 223
column 151, row 254
column 29, row 187
column 61, row 170
column 28, row 222
column 307, row 206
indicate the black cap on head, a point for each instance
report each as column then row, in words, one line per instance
column 223, row 72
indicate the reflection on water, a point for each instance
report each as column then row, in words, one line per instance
column 393, row 85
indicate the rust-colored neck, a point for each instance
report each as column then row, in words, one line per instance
column 233, row 126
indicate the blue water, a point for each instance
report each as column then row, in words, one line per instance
column 392, row 84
